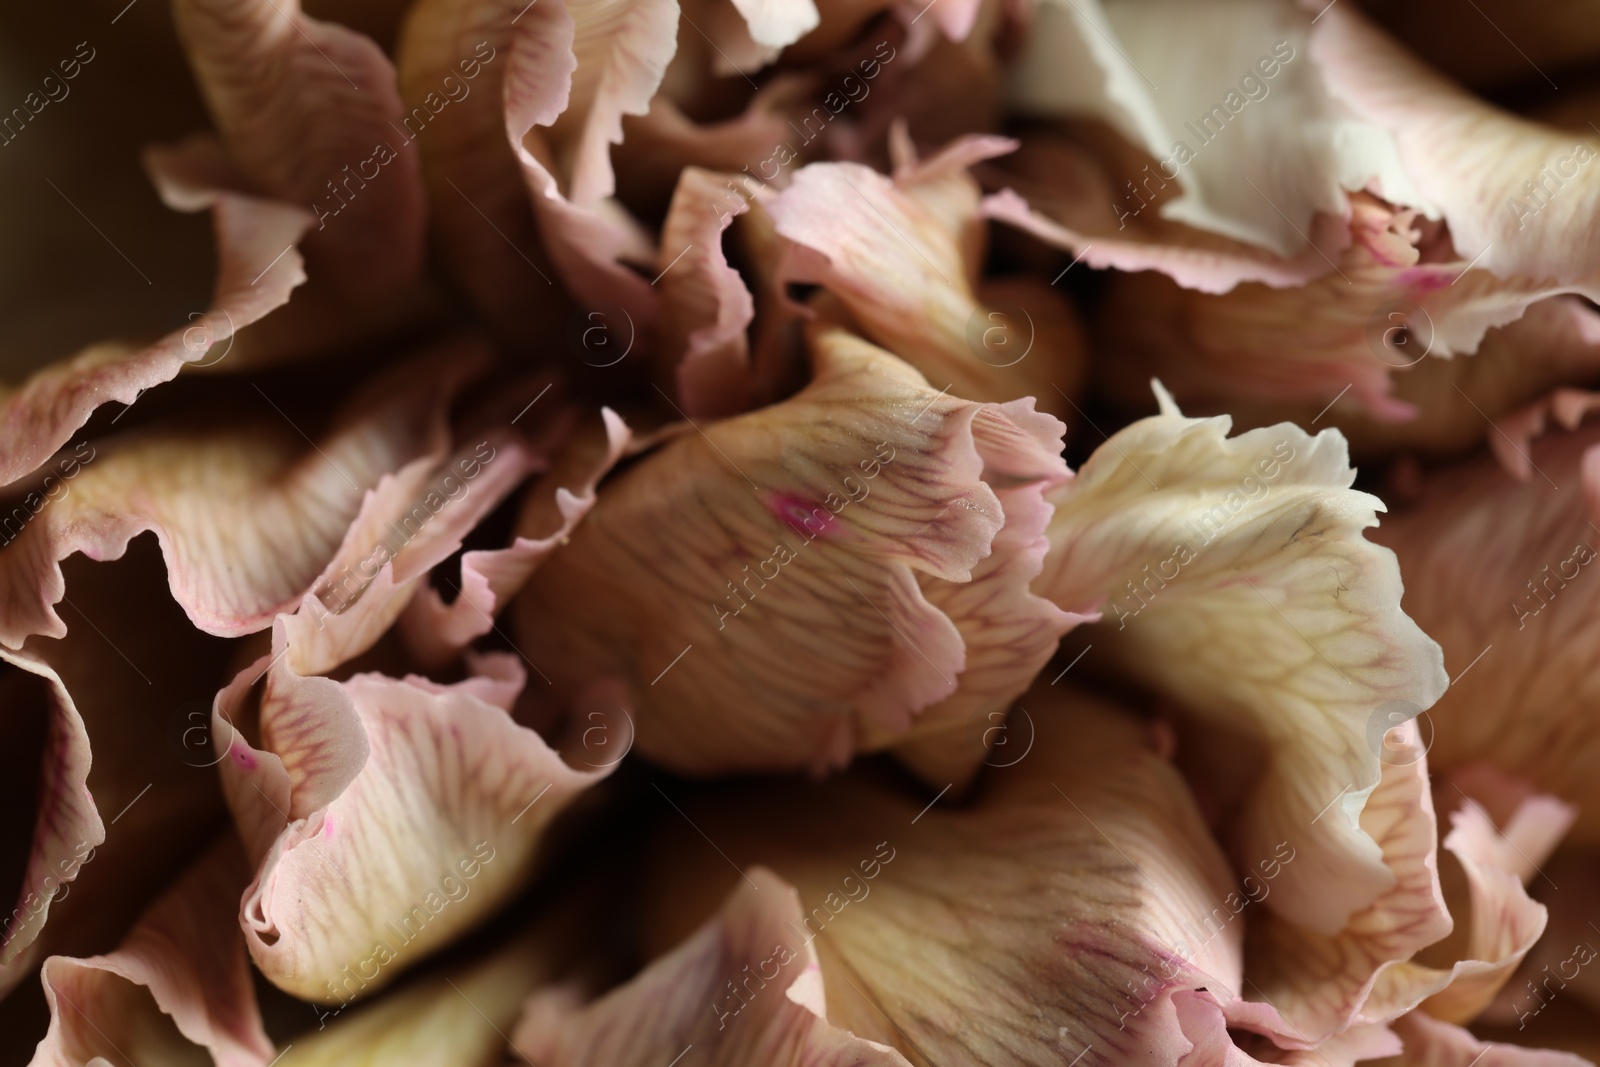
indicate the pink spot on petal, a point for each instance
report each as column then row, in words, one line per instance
column 805, row 517
column 245, row 759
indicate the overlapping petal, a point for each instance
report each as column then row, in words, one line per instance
column 1238, row 580
column 178, row 984
column 662, row 1011
column 258, row 267
column 781, row 561
column 1078, row 909
column 901, row 253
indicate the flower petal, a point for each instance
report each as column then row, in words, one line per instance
column 371, row 870
column 1078, row 909
column 436, row 632
column 579, row 71
column 284, row 507
column 1431, row 1043
column 1279, row 164
column 483, row 225
column 258, row 266
column 1242, row 586
column 180, row 979
column 901, row 254
column 1516, row 195
column 1496, row 571
column 269, row 75
column 653, row 1017
column 706, row 307
column 865, row 484
column 67, row 827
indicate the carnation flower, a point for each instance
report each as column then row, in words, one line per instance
column 787, row 533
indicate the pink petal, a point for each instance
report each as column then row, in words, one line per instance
column 180, row 979
column 257, row 269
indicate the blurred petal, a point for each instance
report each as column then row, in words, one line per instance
column 257, row 268
column 67, row 827
column 482, row 223
column 270, row 76
column 706, row 307
column 180, row 979
column 1496, row 571
column 1518, row 197
column 1279, row 164
column 938, row 952
column 1430, row 1043
column 578, row 72
column 652, row 1018
column 859, row 492
column 458, row 1018
column 1242, row 586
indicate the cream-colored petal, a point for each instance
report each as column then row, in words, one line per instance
column 1235, row 578
column 1258, row 155
column 435, row 828
column 1520, row 198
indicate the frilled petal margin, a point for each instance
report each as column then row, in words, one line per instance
column 258, row 267
column 178, row 983
column 269, row 75
column 1518, row 194
column 782, row 561
column 1240, row 584
column 349, row 776
column 705, row 305
column 247, row 515
column 579, row 71
column 1371, row 971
